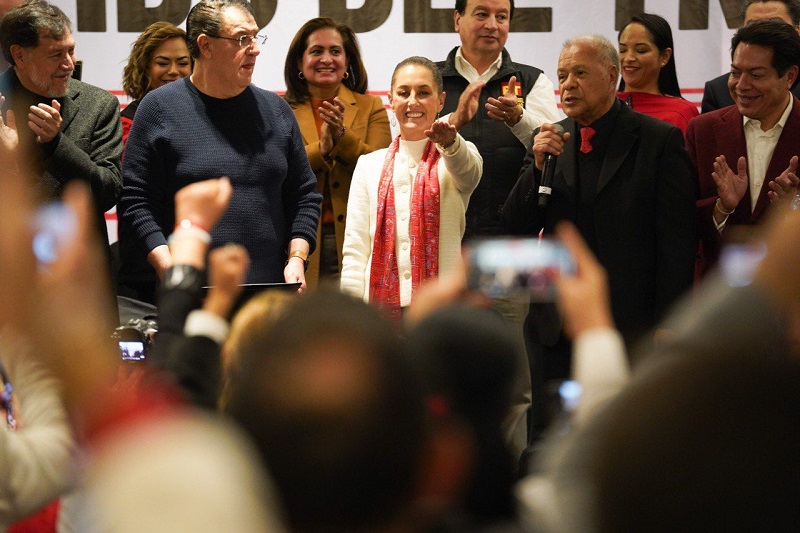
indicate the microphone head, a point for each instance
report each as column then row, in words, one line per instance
column 559, row 129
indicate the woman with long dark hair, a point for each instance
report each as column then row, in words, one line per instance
column 649, row 81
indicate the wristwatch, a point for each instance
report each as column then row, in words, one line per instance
column 303, row 257
column 183, row 277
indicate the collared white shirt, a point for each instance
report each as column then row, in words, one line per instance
column 540, row 104
column 760, row 147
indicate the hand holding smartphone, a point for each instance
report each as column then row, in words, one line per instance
column 503, row 267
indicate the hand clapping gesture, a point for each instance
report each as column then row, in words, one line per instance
column 785, row 186
column 9, row 139
column 730, row 186
column 506, row 108
column 45, row 121
column 332, row 128
column 467, row 104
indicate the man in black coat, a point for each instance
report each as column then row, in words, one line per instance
column 627, row 186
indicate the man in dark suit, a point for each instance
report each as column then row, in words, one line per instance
column 64, row 129
column 627, row 186
column 758, row 137
column 716, row 94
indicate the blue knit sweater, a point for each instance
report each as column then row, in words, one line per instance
column 181, row 136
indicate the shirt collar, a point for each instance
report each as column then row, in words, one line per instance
column 605, row 122
column 777, row 127
column 462, row 65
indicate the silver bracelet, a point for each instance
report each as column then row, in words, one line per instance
column 718, row 205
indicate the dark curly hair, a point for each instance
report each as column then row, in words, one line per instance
column 136, row 75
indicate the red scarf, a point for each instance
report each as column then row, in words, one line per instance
column 384, row 279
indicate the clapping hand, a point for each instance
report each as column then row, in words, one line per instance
column 467, row 104
column 785, row 186
column 9, row 139
column 332, row 128
column 730, row 186
column 506, row 108
column 45, row 121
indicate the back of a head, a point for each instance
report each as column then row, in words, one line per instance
column 467, row 357
column 702, row 443
column 329, row 401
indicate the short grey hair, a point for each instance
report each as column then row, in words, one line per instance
column 605, row 49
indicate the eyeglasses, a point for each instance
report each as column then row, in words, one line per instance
column 245, row 41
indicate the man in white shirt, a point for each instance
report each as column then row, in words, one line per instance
column 745, row 156
column 503, row 122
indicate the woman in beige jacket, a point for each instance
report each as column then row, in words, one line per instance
column 326, row 84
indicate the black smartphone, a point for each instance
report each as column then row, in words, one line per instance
column 501, row 267
column 77, row 72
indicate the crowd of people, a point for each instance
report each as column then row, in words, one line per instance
column 321, row 361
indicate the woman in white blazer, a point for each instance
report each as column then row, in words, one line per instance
column 405, row 215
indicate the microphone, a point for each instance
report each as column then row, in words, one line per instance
column 548, row 171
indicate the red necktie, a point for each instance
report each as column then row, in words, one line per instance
column 586, row 139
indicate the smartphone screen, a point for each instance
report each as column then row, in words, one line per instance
column 738, row 261
column 503, row 267
column 54, row 226
column 131, row 350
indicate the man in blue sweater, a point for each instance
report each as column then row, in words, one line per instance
column 215, row 123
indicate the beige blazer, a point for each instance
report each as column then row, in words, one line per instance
column 367, row 129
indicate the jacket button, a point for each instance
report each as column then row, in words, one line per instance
column 340, row 218
column 335, row 184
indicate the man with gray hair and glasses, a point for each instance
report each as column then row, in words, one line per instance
column 216, row 123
